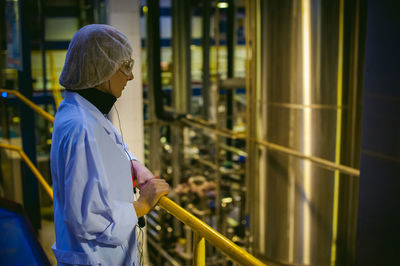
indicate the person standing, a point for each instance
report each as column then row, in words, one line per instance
column 95, row 212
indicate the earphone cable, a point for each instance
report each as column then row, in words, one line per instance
column 140, row 243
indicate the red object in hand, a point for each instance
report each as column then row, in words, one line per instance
column 133, row 175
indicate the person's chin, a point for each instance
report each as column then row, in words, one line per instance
column 119, row 95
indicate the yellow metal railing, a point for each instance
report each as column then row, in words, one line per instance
column 35, row 171
column 199, row 251
column 202, row 231
column 31, row 104
column 54, row 81
column 212, row 236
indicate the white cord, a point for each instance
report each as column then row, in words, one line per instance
column 140, row 234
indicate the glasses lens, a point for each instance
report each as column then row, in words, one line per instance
column 127, row 67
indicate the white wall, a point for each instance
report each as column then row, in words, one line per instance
column 124, row 15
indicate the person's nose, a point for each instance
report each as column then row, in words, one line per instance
column 131, row 77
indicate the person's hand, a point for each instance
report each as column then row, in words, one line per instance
column 142, row 173
column 150, row 193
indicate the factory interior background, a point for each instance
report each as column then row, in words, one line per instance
column 277, row 123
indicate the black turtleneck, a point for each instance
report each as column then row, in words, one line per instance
column 103, row 101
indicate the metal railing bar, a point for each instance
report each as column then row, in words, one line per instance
column 34, row 170
column 202, row 124
column 321, row 162
column 212, row 236
column 304, row 106
column 199, row 250
column 233, row 149
column 317, row 160
column 204, row 162
column 221, row 132
column 31, row 104
column 163, row 252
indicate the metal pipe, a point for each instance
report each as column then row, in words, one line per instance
column 181, row 55
column 212, row 236
column 34, row 170
column 42, row 44
column 30, row 186
column 339, row 117
column 163, row 253
column 205, row 162
column 218, row 131
column 199, row 250
column 206, row 58
column 217, row 139
column 248, row 206
column 153, row 55
column 319, row 161
column 230, row 43
column 234, row 150
column 352, row 157
column 309, row 106
column 188, row 255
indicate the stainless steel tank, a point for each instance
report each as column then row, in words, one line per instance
column 308, row 101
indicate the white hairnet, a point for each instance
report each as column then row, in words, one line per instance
column 94, row 54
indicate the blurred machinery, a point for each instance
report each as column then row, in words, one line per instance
column 206, row 169
column 237, row 94
column 278, row 85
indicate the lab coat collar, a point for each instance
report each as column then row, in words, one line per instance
column 102, row 100
column 75, row 98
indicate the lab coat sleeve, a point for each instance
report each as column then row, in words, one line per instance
column 88, row 210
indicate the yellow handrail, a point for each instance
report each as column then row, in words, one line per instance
column 35, row 171
column 213, row 237
column 31, row 104
column 201, row 228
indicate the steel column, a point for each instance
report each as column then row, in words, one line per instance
column 42, row 44
column 182, row 91
column 154, row 81
column 30, row 184
column 206, row 58
column 230, row 42
column 181, row 40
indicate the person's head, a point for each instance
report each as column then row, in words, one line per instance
column 98, row 56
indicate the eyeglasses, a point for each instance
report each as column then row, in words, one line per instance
column 127, row 67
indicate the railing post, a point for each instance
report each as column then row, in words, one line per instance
column 30, row 185
column 199, row 250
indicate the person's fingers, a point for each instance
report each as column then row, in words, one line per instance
column 152, row 190
column 155, row 182
column 162, row 193
column 162, row 188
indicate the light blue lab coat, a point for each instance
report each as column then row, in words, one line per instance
column 93, row 212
